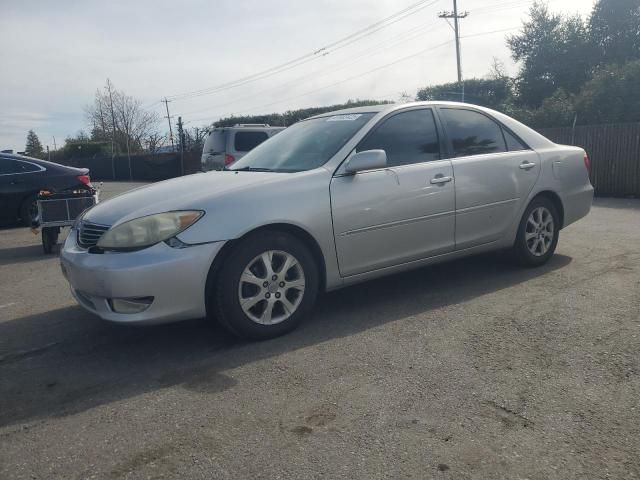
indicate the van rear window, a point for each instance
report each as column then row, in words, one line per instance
column 245, row 141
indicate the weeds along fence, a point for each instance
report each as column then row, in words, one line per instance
column 614, row 151
column 144, row 167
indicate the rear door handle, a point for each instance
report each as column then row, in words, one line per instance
column 527, row 165
column 439, row 180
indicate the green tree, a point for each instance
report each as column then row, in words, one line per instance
column 33, row 148
column 491, row 92
column 614, row 30
column 556, row 111
column 611, row 96
column 554, row 52
column 292, row 116
column 82, row 146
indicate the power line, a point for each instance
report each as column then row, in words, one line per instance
column 421, row 52
column 344, row 80
column 331, row 69
column 362, row 33
column 490, row 32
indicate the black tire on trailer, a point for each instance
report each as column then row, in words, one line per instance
column 28, row 210
column 49, row 239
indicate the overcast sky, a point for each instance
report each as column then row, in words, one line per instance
column 55, row 54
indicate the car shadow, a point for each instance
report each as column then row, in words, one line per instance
column 24, row 254
column 31, row 253
column 67, row 361
column 617, row 203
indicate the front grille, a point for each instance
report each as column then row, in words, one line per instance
column 90, row 233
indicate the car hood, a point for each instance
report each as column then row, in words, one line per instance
column 183, row 193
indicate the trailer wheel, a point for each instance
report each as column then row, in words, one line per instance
column 49, row 239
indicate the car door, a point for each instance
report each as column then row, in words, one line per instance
column 401, row 213
column 8, row 197
column 494, row 172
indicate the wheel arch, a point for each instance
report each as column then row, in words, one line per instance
column 554, row 198
column 293, row 230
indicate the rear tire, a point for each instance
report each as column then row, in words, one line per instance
column 266, row 287
column 538, row 233
column 28, row 211
column 50, row 239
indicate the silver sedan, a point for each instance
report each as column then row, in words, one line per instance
column 336, row 199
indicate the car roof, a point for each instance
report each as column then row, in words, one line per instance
column 366, row 109
column 530, row 136
column 37, row 161
column 396, row 106
column 13, row 156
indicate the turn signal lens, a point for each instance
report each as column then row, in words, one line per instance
column 587, row 163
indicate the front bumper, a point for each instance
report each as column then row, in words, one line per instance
column 174, row 277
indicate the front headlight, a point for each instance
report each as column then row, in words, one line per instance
column 146, row 231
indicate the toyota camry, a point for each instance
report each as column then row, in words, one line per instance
column 333, row 200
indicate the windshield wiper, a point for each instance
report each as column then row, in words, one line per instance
column 250, row 169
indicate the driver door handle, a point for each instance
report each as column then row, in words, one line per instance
column 440, row 180
column 527, row 165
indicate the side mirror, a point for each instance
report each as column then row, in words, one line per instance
column 367, row 160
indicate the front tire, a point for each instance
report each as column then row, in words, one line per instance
column 266, row 287
column 538, row 233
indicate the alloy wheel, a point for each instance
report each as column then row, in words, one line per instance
column 271, row 287
column 539, row 231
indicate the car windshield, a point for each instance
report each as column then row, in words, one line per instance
column 304, row 145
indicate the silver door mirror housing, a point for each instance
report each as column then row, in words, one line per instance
column 367, row 160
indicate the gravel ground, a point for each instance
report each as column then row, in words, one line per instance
column 471, row 369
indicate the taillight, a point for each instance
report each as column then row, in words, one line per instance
column 587, row 163
column 85, row 179
column 228, row 159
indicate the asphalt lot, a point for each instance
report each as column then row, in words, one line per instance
column 471, row 369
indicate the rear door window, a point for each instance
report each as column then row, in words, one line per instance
column 472, row 133
column 6, row 166
column 407, row 137
column 245, row 141
column 26, row 167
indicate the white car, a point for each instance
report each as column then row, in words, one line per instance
column 336, row 199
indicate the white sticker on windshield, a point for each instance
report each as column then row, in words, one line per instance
column 344, row 118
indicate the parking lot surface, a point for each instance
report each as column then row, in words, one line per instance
column 470, row 369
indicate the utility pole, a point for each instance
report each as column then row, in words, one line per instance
column 456, row 16
column 166, row 104
column 113, row 131
column 48, row 153
column 54, row 144
column 181, row 137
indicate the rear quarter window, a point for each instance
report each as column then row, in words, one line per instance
column 245, row 141
column 6, row 166
column 215, row 143
column 26, row 167
column 513, row 144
